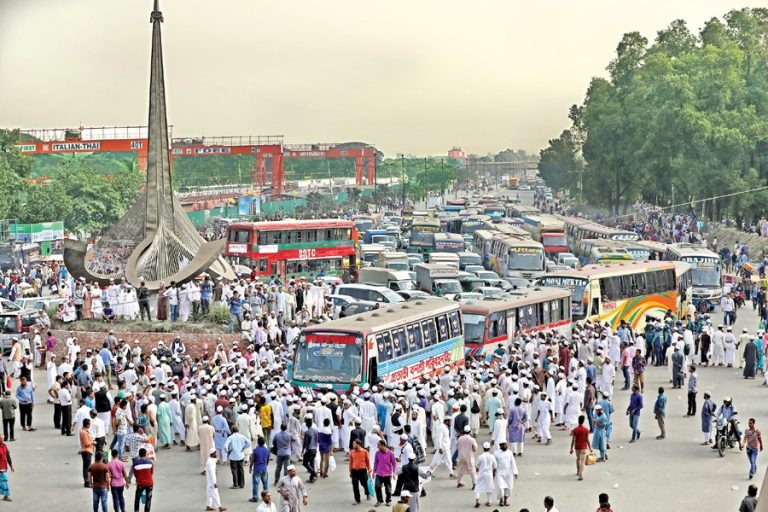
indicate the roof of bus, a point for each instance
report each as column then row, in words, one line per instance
column 449, row 236
column 518, row 240
column 614, row 269
column 588, row 224
column 692, row 249
column 387, row 317
column 534, row 296
column 430, row 221
column 293, row 224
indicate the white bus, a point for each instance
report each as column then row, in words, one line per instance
column 706, row 271
column 389, row 345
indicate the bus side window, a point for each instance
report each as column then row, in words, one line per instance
column 455, row 324
column 398, row 335
column 430, row 333
column 385, row 346
column 412, row 346
column 547, row 318
column 442, row 325
column 554, row 311
column 497, row 324
column 263, row 264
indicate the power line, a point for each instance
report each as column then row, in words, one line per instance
column 690, row 203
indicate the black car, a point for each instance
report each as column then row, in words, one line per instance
column 356, row 308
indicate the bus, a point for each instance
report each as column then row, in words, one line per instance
column 519, row 210
column 294, row 248
column 631, row 291
column 388, row 346
column 706, row 272
column 363, row 222
column 423, row 230
column 495, row 210
column 549, row 230
column 577, row 229
column 601, row 252
column 514, row 182
column 489, row 323
column 471, row 224
column 448, row 242
column 515, row 256
column 481, row 244
column 643, row 250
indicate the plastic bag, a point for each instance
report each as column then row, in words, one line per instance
column 370, row 486
column 332, row 464
column 590, row 459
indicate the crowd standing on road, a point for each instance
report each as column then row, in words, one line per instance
column 234, row 406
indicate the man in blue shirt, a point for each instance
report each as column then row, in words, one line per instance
column 206, row 292
column 258, row 469
column 235, row 304
column 26, row 397
column 660, row 412
column 236, row 446
column 106, row 357
column 281, row 447
column 633, row 411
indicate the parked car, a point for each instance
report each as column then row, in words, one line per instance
column 369, row 293
column 36, row 303
column 489, row 292
column 355, row 308
column 12, row 325
column 409, row 295
column 468, row 296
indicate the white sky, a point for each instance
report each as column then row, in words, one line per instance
column 411, row 76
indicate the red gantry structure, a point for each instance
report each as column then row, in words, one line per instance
column 269, row 151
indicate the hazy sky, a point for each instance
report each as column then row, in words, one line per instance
column 412, row 76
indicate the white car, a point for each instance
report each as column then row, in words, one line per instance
column 339, row 301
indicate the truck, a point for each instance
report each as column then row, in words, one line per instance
column 396, row 280
column 446, row 258
column 437, row 279
column 393, row 260
column 547, row 230
column 369, row 253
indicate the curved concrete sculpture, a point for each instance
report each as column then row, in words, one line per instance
column 163, row 243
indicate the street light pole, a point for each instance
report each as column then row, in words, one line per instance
column 425, row 181
column 442, row 183
column 402, row 178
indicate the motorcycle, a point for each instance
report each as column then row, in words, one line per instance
column 725, row 435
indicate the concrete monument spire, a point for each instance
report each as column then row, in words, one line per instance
column 155, row 234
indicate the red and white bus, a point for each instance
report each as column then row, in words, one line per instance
column 294, row 248
column 489, row 323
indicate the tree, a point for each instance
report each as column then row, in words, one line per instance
column 683, row 119
column 46, row 202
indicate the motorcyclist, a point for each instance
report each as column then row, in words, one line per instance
column 728, row 410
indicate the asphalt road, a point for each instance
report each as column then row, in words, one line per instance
column 671, row 474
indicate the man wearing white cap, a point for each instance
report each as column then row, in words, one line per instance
column 293, row 493
column 506, row 471
column 486, row 466
column 191, row 425
column 212, row 498
column 205, row 434
column 500, row 426
column 442, row 447
column 466, row 446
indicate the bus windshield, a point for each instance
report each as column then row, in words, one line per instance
column 474, row 327
column 554, row 240
column 328, row 358
column 705, row 271
column 423, row 235
column 524, row 258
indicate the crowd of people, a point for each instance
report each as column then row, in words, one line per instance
column 236, row 407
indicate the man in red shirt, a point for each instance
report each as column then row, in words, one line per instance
column 580, row 442
column 143, row 471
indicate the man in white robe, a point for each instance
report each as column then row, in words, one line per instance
column 486, row 465
column 506, row 472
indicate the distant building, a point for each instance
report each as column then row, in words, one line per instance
column 458, row 154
